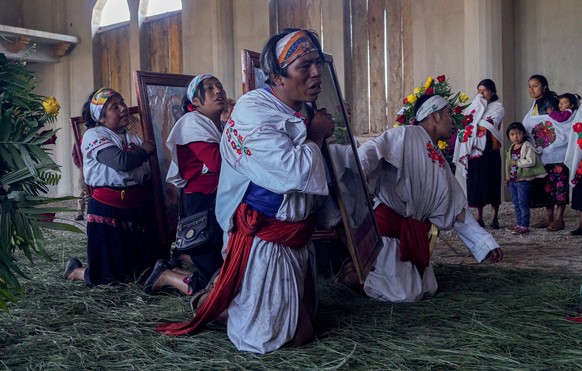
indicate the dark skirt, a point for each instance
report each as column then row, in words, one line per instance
column 121, row 244
column 577, row 197
column 553, row 189
column 484, row 180
column 207, row 258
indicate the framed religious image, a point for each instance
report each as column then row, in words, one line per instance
column 360, row 230
column 160, row 98
column 79, row 128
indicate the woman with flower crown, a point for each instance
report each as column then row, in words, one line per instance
column 195, row 168
column 416, row 192
column 477, row 153
column 120, row 245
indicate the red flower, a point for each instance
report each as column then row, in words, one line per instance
column 441, row 78
column 577, row 127
column 468, row 132
column 429, row 91
column 458, row 110
column 400, row 119
column 190, row 107
column 405, row 101
column 467, row 120
column 579, row 141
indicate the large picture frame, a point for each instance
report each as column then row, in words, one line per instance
column 361, row 231
column 79, row 127
column 160, row 98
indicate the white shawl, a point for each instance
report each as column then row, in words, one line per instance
column 549, row 136
column 192, row 127
column 574, row 151
column 490, row 116
column 265, row 143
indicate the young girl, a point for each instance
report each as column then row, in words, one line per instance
column 522, row 165
column 567, row 104
column 120, row 244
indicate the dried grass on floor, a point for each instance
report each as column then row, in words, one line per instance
column 482, row 318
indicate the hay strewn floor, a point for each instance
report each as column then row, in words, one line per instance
column 485, row 318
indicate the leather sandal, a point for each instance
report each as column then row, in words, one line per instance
column 557, row 225
column 161, row 266
column 72, row 264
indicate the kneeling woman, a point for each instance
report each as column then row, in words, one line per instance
column 194, row 144
column 120, row 244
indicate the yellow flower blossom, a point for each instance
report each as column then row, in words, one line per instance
column 463, row 97
column 411, row 98
column 428, row 82
column 418, row 90
column 51, row 106
column 396, row 125
column 443, row 144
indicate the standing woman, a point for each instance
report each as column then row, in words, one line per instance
column 477, row 154
column 120, row 244
column 554, row 189
column 194, row 144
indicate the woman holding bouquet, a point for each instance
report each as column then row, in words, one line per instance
column 477, row 156
column 552, row 138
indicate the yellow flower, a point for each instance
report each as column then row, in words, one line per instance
column 411, row 98
column 428, row 82
column 443, row 144
column 418, row 90
column 396, row 125
column 51, row 106
column 463, row 97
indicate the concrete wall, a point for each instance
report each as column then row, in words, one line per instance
column 548, row 43
column 438, row 40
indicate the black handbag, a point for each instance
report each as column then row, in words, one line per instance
column 194, row 230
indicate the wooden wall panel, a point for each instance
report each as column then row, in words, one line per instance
column 163, row 44
column 292, row 14
column 395, row 88
column 175, row 44
column 360, row 66
column 112, row 48
column 376, row 29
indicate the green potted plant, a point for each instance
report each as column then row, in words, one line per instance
column 26, row 169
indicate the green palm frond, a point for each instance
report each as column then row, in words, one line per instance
column 26, row 171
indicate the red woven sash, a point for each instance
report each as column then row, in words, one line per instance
column 248, row 224
column 129, row 198
column 413, row 235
